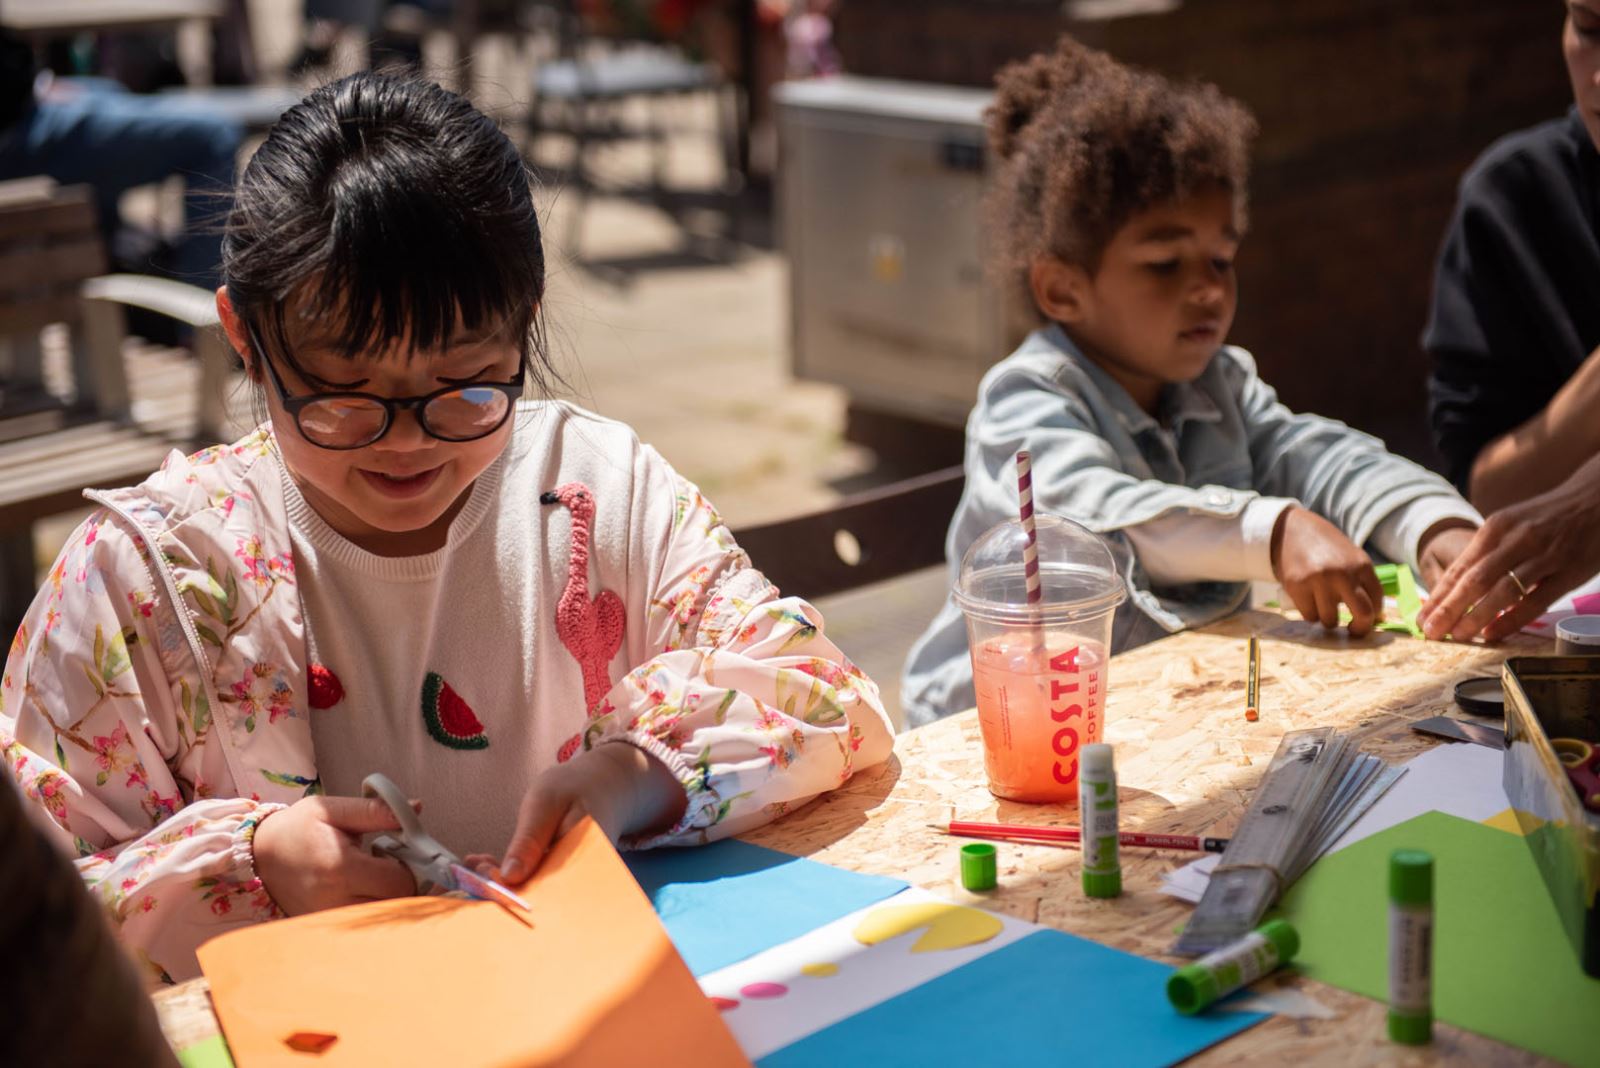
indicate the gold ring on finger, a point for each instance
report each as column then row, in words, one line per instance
column 1520, row 587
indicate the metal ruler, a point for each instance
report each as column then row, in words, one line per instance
column 1272, row 840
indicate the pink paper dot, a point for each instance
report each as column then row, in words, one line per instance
column 724, row 1004
column 764, row 990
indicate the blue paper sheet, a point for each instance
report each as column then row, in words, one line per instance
column 1050, row 998
column 730, row 900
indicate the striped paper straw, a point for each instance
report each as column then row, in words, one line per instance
column 1030, row 547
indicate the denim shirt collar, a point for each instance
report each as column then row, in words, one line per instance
column 1181, row 402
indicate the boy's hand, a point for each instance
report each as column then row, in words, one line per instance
column 1440, row 546
column 624, row 788
column 309, row 855
column 1319, row 568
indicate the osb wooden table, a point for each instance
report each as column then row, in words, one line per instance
column 1187, row 762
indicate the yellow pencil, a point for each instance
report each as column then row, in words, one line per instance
column 1252, row 686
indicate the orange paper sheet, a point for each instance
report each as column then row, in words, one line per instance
column 430, row 980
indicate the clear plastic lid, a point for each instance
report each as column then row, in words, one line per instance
column 1077, row 573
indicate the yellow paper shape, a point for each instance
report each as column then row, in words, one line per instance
column 948, row 926
column 429, row 980
column 1505, row 820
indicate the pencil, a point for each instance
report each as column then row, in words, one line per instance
column 1014, row 832
column 1252, row 684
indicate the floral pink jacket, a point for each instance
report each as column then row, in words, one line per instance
column 154, row 701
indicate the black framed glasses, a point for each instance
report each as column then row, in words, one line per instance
column 349, row 420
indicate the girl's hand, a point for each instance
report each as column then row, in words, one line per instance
column 1320, row 568
column 1551, row 542
column 309, row 855
column 625, row 789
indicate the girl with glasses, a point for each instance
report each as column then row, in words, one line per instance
column 514, row 607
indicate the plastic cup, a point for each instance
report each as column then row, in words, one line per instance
column 1040, row 670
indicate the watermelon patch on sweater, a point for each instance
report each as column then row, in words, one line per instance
column 449, row 718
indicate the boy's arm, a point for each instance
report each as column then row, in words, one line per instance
column 1077, row 474
column 1342, row 474
column 92, row 733
column 1181, row 548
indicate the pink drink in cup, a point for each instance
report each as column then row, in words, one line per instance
column 1039, row 670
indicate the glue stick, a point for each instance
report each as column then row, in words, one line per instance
column 1097, row 811
column 1411, row 947
column 1221, row 972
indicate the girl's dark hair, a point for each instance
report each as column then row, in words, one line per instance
column 1084, row 143
column 386, row 207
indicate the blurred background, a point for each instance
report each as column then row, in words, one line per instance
column 761, row 215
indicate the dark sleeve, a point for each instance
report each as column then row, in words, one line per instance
column 1499, row 329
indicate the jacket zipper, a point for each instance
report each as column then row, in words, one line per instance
column 202, row 664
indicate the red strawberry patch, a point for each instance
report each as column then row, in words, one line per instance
column 324, row 690
column 450, row 719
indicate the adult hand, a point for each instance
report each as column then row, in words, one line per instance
column 1320, row 568
column 1440, row 546
column 309, row 855
column 624, row 788
column 1551, row 542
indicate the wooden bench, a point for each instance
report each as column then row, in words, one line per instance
column 64, row 429
column 867, row 537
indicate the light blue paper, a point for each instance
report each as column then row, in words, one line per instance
column 1049, row 998
column 723, row 902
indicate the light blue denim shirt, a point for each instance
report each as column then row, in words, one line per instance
column 1098, row 458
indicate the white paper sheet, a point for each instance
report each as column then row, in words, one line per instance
column 866, row 976
column 1457, row 778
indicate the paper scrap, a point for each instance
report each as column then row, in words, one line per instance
column 1585, row 600
column 433, row 980
column 310, row 1041
column 943, row 925
column 1502, row 964
column 1281, row 1001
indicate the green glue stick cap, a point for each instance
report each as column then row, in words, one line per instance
column 1411, row 877
column 1411, row 1030
column 978, row 866
column 1194, row 986
column 1102, row 883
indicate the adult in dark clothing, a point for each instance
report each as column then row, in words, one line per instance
column 1515, row 340
column 1516, row 310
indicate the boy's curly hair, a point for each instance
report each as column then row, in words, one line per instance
column 1084, row 143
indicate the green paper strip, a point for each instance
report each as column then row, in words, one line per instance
column 1502, row 964
column 212, row 1053
column 1397, row 582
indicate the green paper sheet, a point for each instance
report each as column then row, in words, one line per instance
column 1502, row 965
column 210, row 1053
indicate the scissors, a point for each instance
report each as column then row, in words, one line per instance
column 1582, row 762
column 430, row 862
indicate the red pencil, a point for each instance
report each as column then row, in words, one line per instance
column 1017, row 832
